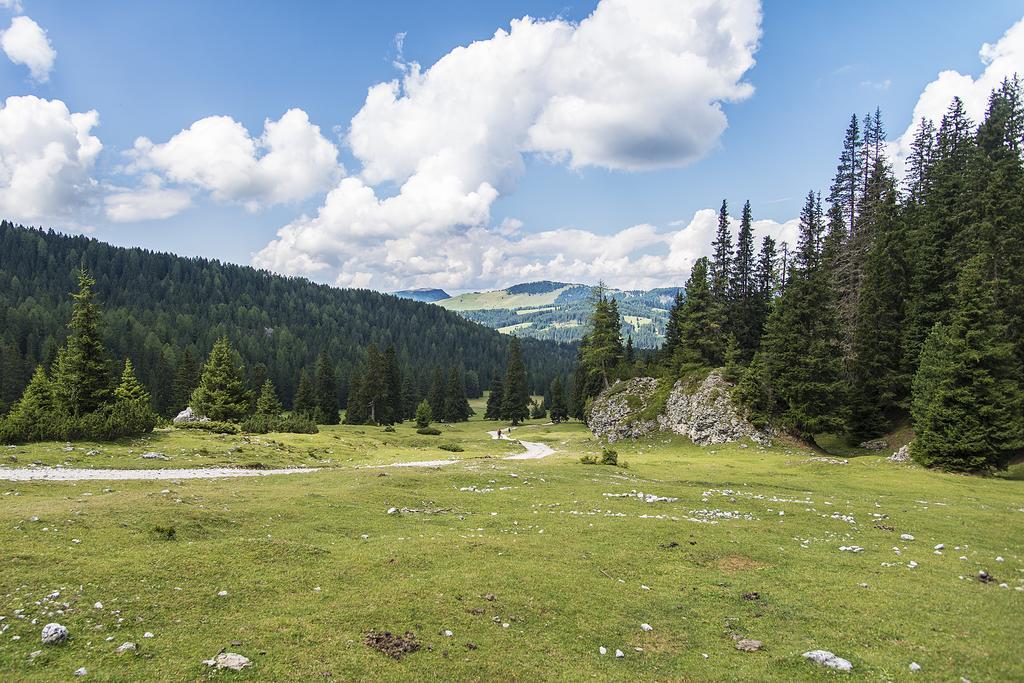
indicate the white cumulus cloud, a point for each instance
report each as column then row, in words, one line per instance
column 639, row 84
column 150, row 202
column 46, row 157
column 289, row 162
column 25, row 42
column 1002, row 59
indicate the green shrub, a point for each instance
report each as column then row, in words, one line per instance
column 211, row 426
column 389, row 428
column 290, row 423
column 429, row 431
column 609, row 457
column 166, row 533
column 588, row 460
column 451, row 447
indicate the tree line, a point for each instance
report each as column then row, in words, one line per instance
column 165, row 312
column 901, row 302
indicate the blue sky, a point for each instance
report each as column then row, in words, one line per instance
column 154, row 69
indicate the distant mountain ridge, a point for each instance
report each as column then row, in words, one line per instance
column 425, row 294
column 559, row 310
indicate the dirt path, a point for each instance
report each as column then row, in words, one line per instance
column 72, row 474
column 534, row 451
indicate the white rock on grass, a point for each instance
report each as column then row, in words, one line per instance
column 392, row 511
column 906, row 537
column 153, row 455
column 829, row 660
column 147, row 634
column 619, row 654
column 126, row 647
column 914, row 666
column 602, row 650
column 228, row 660
column 54, row 634
column 80, row 671
column 646, row 627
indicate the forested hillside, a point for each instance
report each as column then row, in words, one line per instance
column 164, row 311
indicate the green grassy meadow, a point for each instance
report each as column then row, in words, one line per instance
column 528, row 563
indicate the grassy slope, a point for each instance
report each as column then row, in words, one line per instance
column 473, row 301
column 567, row 566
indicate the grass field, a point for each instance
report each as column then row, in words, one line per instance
column 530, row 564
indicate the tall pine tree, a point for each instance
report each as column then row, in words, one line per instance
column 81, row 376
column 515, row 405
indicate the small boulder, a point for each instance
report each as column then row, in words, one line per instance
column 153, row 455
column 54, row 634
column 828, row 660
column 748, row 645
column 228, row 660
column 902, row 455
column 186, row 416
column 80, row 671
column 126, row 647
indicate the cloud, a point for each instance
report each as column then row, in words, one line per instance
column 640, row 256
column 151, row 202
column 46, row 157
column 634, row 86
column 13, row 5
column 25, row 42
column 289, row 162
column 1001, row 60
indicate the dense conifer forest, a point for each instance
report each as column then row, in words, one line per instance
column 164, row 312
column 902, row 304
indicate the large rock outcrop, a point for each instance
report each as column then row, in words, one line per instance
column 703, row 411
column 618, row 412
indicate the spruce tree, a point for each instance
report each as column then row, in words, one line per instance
column 393, row 377
column 473, row 389
column 699, row 329
column 32, row 418
column 559, row 410
column 326, row 390
column 436, row 394
column 495, row 397
column 938, row 225
column 81, row 376
column 721, row 261
column 456, row 407
column 744, row 319
column 672, row 334
column 796, row 378
column 878, row 385
column 132, row 411
column 268, row 404
column 968, row 406
column 304, row 402
column 186, row 376
column 423, row 415
column 222, row 392
column 846, row 186
column 409, row 396
column 601, row 350
column 516, row 401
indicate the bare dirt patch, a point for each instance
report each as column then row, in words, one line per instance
column 392, row 645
